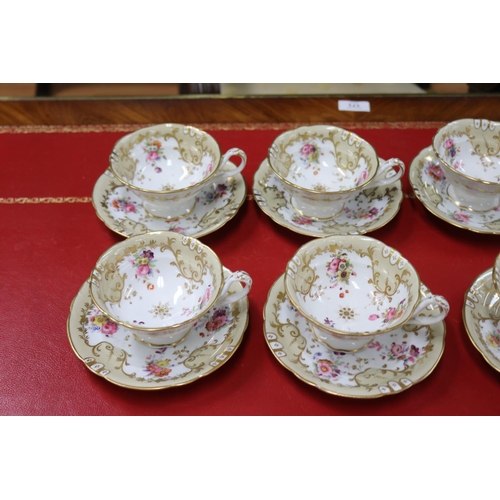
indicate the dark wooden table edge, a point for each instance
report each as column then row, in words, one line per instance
column 245, row 110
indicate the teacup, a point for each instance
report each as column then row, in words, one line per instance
column 159, row 284
column 352, row 288
column 323, row 166
column 469, row 150
column 168, row 165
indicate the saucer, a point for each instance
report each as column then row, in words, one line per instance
column 391, row 363
column 369, row 210
column 111, row 351
column 428, row 180
column 123, row 212
column 481, row 316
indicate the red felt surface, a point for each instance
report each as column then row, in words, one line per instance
column 48, row 249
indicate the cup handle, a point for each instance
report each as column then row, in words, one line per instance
column 238, row 276
column 495, row 275
column 433, row 300
column 230, row 173
column 387, row 174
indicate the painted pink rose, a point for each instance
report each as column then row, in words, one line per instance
column 373, row 317
column 333, row 267
column 436, row 172
column 391, row 314
column 143, row 270
column 302, row 221
column 206, row 296
column 461, row 217
column 325, row 367
column 109, row 328
column 129, row 207
column 448, row 143
column 396, row 349
column 362, row 177
column 153, row 156
column 308, row 149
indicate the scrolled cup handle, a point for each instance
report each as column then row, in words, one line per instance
column 495, row 275
column 232, row 152
column 387, row 174
column 433, row 300
column 225, row 297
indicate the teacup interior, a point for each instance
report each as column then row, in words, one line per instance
column 166, row 158
column 471, row 147
column 155, row 285
column 348, row 290
column 323, row 159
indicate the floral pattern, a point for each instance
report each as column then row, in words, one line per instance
column 434, row 171
column 144, row 264
column 211, row 195
column 124, row 204
column 460, row 217
column 493, row 339
column 218, row 320
column 154, row 151
column 326, row 368
column 102, row 323
column 391, row 313
column 301, row 220
column 309, row 154
column 391, row 363
column 399, row 351
column 340, row 269
column 450, row 148
column 362, row 213
column 362, row 178
column 158, row 367
column 431, row 188
column 114, row 353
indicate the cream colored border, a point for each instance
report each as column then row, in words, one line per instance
column 469, row 322
column 278, row 287
column 83, row 351
column 266, row 205
column 418, row 188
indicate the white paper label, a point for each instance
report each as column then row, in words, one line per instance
column 363, row 106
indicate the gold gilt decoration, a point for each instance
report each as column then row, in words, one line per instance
column 123, row 361
column 385, row 367
column 191, row 145
column 385, row 283
column 348, row 148
column 194, row 268
column 45, row 200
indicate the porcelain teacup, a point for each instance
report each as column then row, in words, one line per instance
column 469, row 150
column 159, row 284
column 352, row 288
column 323, row 166
column 168, row 165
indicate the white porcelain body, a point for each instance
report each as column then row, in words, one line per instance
column 469, row 151
column 168, row 165
column 158, row 285
column 351, row 288
column 324, row 166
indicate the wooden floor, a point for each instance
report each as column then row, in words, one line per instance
column 228, row 89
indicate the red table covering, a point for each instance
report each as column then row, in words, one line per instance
column 51, row 238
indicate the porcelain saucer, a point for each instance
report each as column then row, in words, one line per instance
column 111, row 351
column 481, row 316
column 392, row 363
column 123, row 212
column 428, row 180
column 365, row 212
